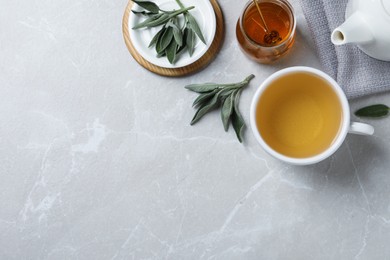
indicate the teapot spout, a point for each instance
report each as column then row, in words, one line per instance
column 353, row 30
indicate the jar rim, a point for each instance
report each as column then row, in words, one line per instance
column 289, row 9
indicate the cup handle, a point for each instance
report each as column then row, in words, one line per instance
column 361, row 129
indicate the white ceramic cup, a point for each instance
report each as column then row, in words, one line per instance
column 346, row 125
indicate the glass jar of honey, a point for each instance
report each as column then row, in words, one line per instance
column 266, row 31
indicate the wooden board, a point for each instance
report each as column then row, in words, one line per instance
column 193, row 67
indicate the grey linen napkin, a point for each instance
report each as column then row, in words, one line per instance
column 357, row 73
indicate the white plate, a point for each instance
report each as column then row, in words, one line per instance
column 140, row 38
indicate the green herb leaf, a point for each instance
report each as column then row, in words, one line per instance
column 165, row 40
column 159, row 21
column 177, row 34
column 202, row 88
column 212, row 95
column 226, row 92
column 162, row 19
column 156, row 37
column 148, row 5
column 147, row 21
column 190, row 41
column 378, row 110
column 184, row 43
column 204, row 97
column 237, row 120
column 193, row 25
column 226, row 111
column 170, row 51
column 184, row 37
column 207, row 107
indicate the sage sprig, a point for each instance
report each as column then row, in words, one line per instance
column 375, row 111
column 227, row 97
column 172, row 38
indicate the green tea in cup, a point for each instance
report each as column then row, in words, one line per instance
column 300, row 115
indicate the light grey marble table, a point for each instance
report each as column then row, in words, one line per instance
column 98, row 160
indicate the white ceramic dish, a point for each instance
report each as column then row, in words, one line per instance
column 204, row 15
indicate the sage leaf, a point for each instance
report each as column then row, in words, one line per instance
column 202, row 88
column 165, row 40
column 184, row 43
column 148, row 20
column 159, row 21
column 162, row 19
column 171, row 29
column 378, row 110
column 226, row 111
column 177, row 34
column 190, row 41
column 156, row 37
column 226, row 92
column 226, row 96
column 194, row 26
column 204, row 97
column 162, row 40
column 237, row 120
column 170, row 51
column 207, row 107
column 148, row 5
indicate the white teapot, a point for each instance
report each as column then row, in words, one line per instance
column 367, row 24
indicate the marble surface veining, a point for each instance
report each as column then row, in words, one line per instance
column 98, row 160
